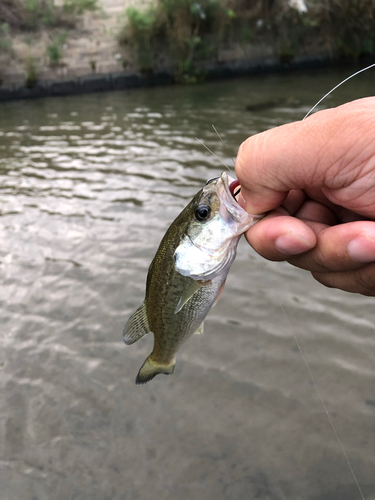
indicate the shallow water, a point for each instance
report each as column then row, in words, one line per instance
column 88, row 186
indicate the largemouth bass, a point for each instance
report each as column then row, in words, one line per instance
column 188, row 273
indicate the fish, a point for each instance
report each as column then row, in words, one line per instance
column 188, row 273
column 272, row 103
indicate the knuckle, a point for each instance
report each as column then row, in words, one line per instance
column 364, row 278
column 320, row 261
column 359, row 281
column 325, row 279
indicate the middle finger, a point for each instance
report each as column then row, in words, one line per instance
column 339, row 248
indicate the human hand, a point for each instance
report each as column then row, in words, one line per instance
column 317, row 180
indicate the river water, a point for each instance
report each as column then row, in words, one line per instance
column 88, row 186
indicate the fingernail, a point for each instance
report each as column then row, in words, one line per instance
column 292, row 244
column 362, row 249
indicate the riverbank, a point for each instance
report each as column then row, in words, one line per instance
column 121, row 81
column 60, row 52
column 107, row 49
column 89, row 83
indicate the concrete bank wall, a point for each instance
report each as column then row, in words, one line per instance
column 122, row 81
column 84, row 85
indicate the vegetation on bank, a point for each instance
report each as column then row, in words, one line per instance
column 184, row 35
column 189, row 32
column 33, row 16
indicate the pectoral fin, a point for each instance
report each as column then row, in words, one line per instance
column 191, row 289
column 137, row 325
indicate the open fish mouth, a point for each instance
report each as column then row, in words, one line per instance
column 233, row 188
column 228, row 188
column 231, row 185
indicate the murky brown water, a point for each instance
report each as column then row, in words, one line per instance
column 88, row 186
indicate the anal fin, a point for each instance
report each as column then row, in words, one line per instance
column 200, row 330
column 137, row 325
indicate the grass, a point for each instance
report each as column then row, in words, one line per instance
column 185, row 30
column 31, row 76
column 39, row 17
column 55, row 49
column 189, row 31
column 33, row 15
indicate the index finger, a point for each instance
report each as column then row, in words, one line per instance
column 301, row 155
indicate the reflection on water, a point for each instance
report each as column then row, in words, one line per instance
column 88, row 186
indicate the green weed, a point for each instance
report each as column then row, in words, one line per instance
column 5, row 39
column 186, row 31
column 31, row 76
column 78, row 7
column 351, row 25
column 142, row 28
column 55, row 49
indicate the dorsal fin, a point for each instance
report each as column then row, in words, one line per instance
column 137, row 325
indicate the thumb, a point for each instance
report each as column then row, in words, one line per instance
column 300, row 155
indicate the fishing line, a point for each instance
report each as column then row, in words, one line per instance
column 324, row 405
column 208, row 149
column 282, row 307
column 295, row 336
column 222, row 142
column 337, row 86
column 320, row 397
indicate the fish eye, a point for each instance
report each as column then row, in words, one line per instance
column 202, row 213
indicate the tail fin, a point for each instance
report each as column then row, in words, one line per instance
column 150, row 369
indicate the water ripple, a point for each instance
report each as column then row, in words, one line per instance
column 88, row 187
